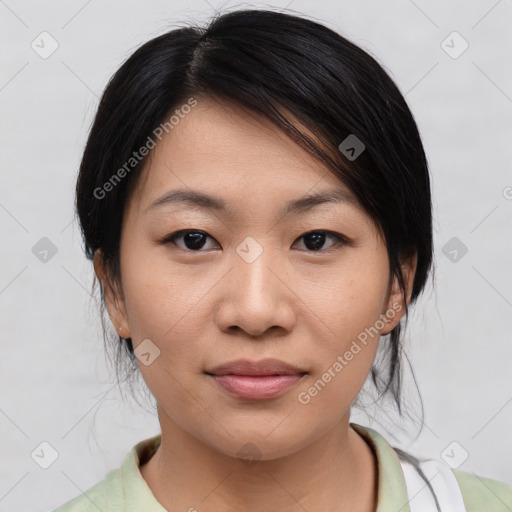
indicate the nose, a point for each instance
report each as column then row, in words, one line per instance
column 256, row 296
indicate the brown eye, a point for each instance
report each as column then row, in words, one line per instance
column 315, row 240
column 193, row 240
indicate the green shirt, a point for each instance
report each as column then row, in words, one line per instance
column 125, row 490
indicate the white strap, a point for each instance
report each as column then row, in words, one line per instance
column 443, row 482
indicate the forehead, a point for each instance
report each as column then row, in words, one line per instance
column 235, row 153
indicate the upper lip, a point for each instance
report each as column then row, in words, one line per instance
column 263, row 367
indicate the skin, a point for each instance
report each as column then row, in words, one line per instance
column 207, row 306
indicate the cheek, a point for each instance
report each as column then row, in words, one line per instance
column 349, row 305
column 344, row 355
column 167, row 304
column 161, row 297
column 349, row 301
column 354, row 314
column 164, row 306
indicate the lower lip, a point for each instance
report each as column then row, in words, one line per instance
column 257, row 387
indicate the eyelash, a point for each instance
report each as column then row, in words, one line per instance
column 177, row 234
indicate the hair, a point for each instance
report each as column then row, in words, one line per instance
column 268, row 61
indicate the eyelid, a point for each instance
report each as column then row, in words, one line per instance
column 167, row 239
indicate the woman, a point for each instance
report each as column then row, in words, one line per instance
column 256, row 201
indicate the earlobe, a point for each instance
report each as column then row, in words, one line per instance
column 395, row 308
column 113, row 300
column 395, row 305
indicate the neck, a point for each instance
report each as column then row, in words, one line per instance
column 337, row 472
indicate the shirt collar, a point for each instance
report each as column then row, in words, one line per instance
column 137, row 493
column 391, row 493
column 392, row 490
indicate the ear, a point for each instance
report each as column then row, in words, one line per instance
column 113, row 298
column 395, row 306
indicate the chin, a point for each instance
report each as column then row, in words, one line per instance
column 264, row 442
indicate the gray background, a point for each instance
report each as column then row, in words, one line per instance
column 55, row 383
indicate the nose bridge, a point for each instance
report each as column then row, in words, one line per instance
column 255, row 299
column 251, row 269
column 256, row 293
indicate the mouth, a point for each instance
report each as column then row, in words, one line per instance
column 266, row 367
column 261, row 380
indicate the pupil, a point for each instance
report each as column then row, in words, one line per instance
column 318, row 241
column 193, row 240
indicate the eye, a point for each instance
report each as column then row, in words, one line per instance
column 314, row 240
column 195, row 240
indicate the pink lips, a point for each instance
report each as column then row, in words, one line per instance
column 256, row 380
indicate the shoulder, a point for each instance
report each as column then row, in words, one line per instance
column 481, row 493
column 122, row 488
column 104, row 495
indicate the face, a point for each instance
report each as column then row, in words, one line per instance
column 203, row 285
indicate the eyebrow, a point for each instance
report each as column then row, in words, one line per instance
column 203, row 200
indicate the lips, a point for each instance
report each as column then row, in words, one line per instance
column 254, row 368
column 261, row 380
